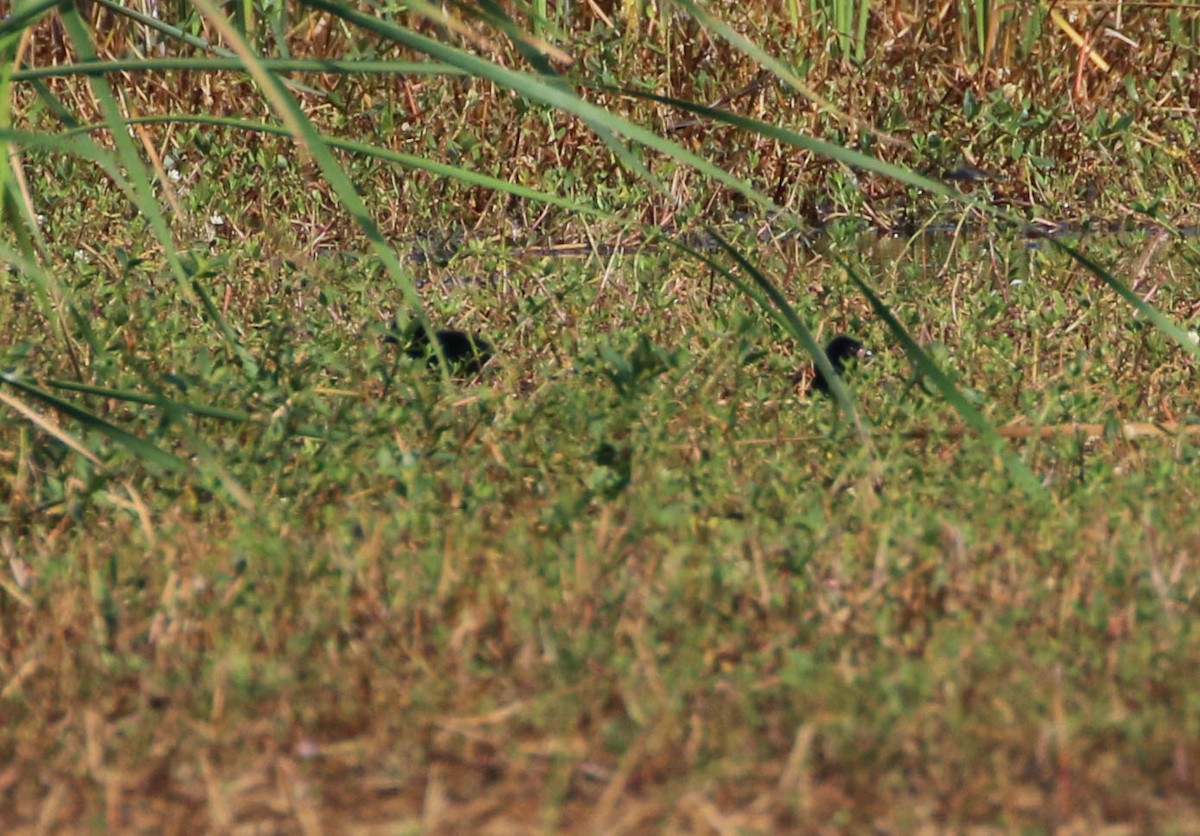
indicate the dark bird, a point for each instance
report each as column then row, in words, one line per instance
column 465, row 353
column 842, row 352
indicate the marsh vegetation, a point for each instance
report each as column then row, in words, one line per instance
column 267, row 565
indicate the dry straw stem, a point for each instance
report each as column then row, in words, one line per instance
column 1078, row 40
column 1130, row 431
column 48, row 426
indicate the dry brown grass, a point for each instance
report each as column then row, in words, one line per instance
column 914, row 82
column 445, row 713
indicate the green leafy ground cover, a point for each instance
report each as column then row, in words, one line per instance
column 627, row 572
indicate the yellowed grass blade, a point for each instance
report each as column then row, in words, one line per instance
column 48, row 426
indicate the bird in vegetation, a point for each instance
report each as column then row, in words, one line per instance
column 465, row 353
column 842, row 351
column 967, row 173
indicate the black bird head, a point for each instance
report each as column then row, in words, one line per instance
column 842, row 352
